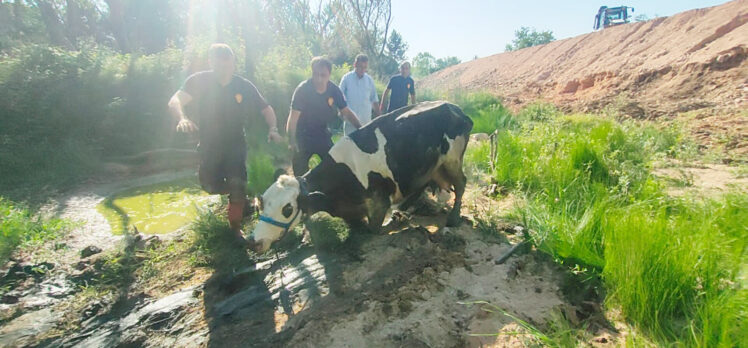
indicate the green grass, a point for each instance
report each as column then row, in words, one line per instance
column 210, row 239
column 260, row 172
column 674, row 267
column 19, row 227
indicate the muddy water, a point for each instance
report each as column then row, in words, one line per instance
column 157, row 208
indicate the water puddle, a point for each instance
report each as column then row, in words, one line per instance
column 158, row 208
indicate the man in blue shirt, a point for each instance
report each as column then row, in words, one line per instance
column 315, row 103
column 360, row 92
column 401, row 85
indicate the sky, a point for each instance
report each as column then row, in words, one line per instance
column 466, row 28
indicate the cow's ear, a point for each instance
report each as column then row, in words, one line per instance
column 314, row 202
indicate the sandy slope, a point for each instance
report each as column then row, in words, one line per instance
column 692, row 60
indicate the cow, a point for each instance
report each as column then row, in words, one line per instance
column 390, row 160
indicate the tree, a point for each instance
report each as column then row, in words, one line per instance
column 425, row 64
column 53, row 22
column 396, row 47
column 371, row 21
column 527, row 37
column 445, row 62
column 389, row 63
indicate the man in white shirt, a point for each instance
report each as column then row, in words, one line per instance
column 360, row 93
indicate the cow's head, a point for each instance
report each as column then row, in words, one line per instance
column 282, row 207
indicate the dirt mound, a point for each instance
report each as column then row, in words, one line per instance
column 689, row 61
column 404, row 289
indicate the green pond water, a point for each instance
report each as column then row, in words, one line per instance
column 158, row 208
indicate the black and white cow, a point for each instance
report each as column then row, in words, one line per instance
column 388, row 160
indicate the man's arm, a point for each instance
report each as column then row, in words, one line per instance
column 350, row 116
column 375, row 109
column 384, row 96
column 293, row 119
column 413, row 98
column 269, row 114
column 176, row 108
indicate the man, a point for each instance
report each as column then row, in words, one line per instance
column 222, row 103
column 360, row 93
column 315, row 102
column 401, row 85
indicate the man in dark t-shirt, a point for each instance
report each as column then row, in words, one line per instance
column 222, row 103
column 314, row 104
column 401, row 86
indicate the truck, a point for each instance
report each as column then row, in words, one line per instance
column 611, row 16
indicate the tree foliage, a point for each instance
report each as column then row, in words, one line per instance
column 88, row 80
column 337, row 28
column 527, row 37
column 424, row 63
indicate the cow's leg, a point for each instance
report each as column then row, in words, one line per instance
column 378, row 206
column 412, row 199
column 453, row 173
column 356, row 225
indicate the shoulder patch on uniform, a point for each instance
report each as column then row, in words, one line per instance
column 238, row 98
column 330, row 101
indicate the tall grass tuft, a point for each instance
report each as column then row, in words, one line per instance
column 260, row 172
column 674, row 267
column 19, row 227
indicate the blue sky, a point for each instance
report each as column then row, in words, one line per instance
column 465, row 28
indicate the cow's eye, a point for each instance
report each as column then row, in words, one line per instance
column 287, row 210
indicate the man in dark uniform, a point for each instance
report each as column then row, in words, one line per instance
column 315, row 103
column 401, row 86
column 222, row 101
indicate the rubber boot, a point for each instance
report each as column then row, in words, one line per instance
column 235, row 215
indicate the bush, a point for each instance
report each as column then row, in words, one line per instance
column 327, row 232
column 62, row 110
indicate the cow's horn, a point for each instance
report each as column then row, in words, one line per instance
column 303, row 189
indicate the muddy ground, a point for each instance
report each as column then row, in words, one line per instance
column 414, row 285
column 410, row 287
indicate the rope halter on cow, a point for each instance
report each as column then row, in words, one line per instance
column 285, row 226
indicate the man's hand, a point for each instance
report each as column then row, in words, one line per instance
column 351, row 117
column 186, row 126
column 273, row 136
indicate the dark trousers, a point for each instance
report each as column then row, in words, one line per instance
column 223, row 171
column 308, row 148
